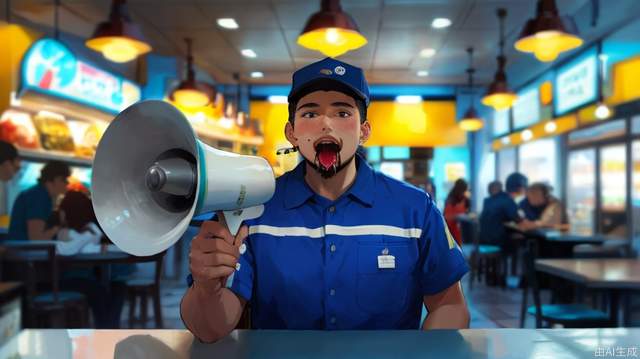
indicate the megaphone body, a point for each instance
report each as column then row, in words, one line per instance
column 151, row 175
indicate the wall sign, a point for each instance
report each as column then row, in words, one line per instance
column 526, row 110
column 500, row 123
column 576, row 84
column 49, row 67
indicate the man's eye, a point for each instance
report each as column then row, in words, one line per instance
column 344, row 114
column 309, row 115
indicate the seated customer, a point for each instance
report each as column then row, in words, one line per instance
column 549, row 210
column 79, row 232
column 501, row 208
column 34, row 206
column 457, row 203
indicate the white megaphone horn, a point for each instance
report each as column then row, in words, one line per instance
column 151, row 176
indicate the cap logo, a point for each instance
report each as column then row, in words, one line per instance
column 339, row 70
column 326, row 72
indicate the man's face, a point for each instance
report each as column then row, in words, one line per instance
column 59, row 185
column 9, row 169
column 327, row 129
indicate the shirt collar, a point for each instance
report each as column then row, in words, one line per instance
column 298, row 191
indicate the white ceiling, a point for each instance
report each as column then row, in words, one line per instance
column 396, row 30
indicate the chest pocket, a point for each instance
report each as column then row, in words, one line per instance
column 385, row 290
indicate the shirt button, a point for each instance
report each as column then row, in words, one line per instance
column 332, row 248
column 333, row 320
column 332, row 209
column 332, row 292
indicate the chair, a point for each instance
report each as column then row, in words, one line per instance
column 145, row 289
column 51, row 308
column 573, row 315
column 484, row 258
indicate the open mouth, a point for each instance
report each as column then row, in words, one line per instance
column 327, row 152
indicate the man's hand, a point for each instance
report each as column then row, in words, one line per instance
column 214, row 254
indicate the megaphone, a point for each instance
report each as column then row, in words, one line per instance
column 151, row 175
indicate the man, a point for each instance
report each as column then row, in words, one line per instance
column 494, row 187
column 34, row 206
column 9, row 161
column 339, row 246
column 501, row 208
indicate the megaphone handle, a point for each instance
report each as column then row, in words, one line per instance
column 234, row 220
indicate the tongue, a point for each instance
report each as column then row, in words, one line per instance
column 327, row 158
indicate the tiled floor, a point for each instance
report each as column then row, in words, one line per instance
column 490, row 307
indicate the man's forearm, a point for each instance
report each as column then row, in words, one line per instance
column 210, row 317
column 449, row 316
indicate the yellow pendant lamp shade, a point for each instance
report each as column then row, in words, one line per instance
column 500, row 101
column 191, row 93
column 471, row 122
column 546, row 36
column 118, row 49
column 118, row 39
column 498, row 95
column 331, row 31
column 189, row 97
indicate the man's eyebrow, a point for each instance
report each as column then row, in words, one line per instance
column 342, row 104
column 308, row 105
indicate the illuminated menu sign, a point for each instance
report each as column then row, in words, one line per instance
column 526, row 110
column 500, row 123
column 49, row 67
column 576, row 84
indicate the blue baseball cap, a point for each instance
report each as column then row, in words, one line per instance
column 333, row 70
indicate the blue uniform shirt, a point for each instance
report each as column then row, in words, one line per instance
column 496, row 211
column 33, row 203
column 312, row 263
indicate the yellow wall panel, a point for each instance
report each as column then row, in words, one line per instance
column 426, row 124
column 15, row 41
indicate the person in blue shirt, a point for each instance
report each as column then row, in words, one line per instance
column 501, row 208
column 9, row 161
column 339, row 246
column 34, row 206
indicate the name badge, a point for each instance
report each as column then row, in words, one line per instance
column 386, row 261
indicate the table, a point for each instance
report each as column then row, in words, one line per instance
column 612, row 274
column 450, row 344
column 103, row 260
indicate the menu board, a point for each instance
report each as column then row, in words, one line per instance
column 49, row 67
column 526, row 110
column 500, row 123
column 576, row 83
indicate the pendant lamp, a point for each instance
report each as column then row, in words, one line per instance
column 499, row 96
column 331, row 31
column 471, row 121
column 546, row 35
column 191, row 93
column 118, row 39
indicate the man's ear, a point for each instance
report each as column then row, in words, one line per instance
column 288, row 132
column 365, row 132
